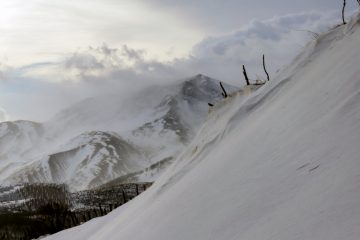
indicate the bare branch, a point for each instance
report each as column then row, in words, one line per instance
column 245, row 75
column 267, row 74
column 224, row 94
column 343, row 12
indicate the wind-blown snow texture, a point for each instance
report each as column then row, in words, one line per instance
column 108, row 137
column 282, row 163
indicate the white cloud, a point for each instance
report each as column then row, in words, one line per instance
column 40, row 90
column 280, row 38
column 41, row 30
column 103, row 66
column 98, row 70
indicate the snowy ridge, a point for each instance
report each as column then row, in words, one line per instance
column 281, row 163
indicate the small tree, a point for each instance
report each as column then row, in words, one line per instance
column 267, row 74
column 124, row 195
column 246, row 76
column 343, row 11
column 224, row 93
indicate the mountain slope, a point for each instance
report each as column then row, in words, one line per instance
column 108, row 137
column 282, row 163
column 87, row 161
column 114, row 112
column 18, row 139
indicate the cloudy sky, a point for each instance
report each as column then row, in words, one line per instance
column 54, row 53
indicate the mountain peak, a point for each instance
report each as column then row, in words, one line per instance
column 204, row 88
column 200, row 78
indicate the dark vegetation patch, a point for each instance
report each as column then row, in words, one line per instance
column 33, row 210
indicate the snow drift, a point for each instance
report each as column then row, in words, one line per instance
column 280, row 163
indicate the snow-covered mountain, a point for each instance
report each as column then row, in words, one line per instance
column 281, row 163
column 108, row 137
column 17, row 139
column 89, row 159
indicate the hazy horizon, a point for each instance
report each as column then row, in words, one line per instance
column 55, row 54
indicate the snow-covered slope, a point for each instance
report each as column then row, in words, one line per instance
column 108, row 137
column 17, row 139
column 282, row 163
column 91, row 159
